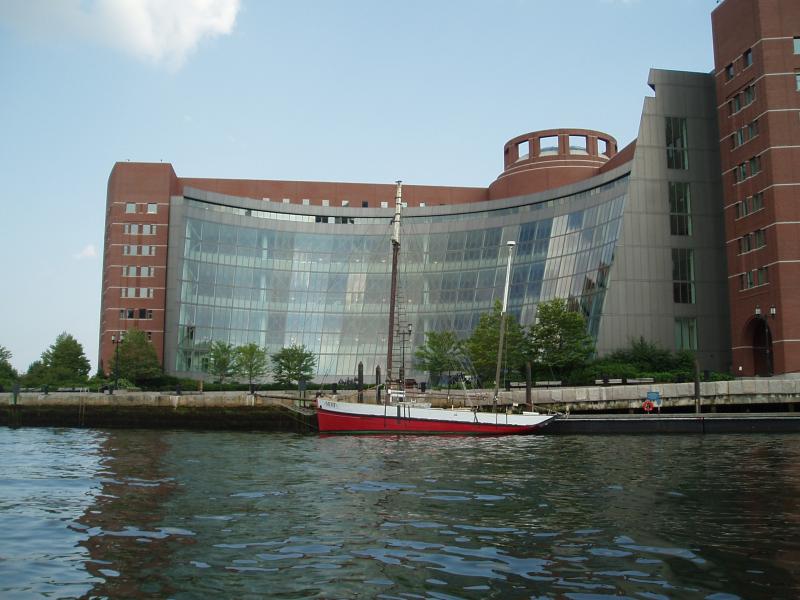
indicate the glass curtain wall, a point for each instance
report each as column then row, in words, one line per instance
column 330, row 290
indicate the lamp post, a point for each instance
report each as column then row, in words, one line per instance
column 510, row 245
column 116, row 341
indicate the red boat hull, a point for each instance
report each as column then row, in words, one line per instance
column 330, row 422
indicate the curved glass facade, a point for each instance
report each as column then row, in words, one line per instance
column 281, row 278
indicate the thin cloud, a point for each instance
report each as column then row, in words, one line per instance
column 164, row 32
column 89, row 251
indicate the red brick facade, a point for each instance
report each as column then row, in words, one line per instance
column 756, row 69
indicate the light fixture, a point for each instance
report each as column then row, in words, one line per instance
column 773, row 311
column 758, row 310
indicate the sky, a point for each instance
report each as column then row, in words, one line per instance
column 426, row 91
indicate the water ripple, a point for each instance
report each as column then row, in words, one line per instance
column 184, row 515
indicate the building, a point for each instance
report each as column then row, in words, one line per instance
column 757, row 76
column 640, row 240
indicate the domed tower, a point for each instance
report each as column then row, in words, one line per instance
column 550, row 158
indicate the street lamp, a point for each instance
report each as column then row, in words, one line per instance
column 116, row 341
column 510, row 244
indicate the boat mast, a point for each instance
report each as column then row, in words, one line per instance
column 510, row 245
column 398, row 201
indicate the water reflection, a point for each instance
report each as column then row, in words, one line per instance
column 184, row 515
column 124, row 536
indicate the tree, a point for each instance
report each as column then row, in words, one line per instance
column 294, row 363
column 483, row 344
column 558, row 339
column 137, row 357
column 648, row 357
column 8, row 375
column 251, row 361
column 644, row 356
column 36, row 375
column 221, row 361
column 63, row 363
column 439, row 354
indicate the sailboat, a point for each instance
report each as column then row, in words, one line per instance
column 400, row 415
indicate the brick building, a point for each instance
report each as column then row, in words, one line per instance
column 757, row 76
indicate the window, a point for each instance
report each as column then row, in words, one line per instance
column 345, row 202
column 750, row 205
column 759, row 239
column 747, row 57
column 149, row 336
column 578, row 144
column 130, row 208
column 306, row 202
column 797, row 80
column 683, row 275
column 756, row 202
column 686, row 334
column 152, row 208
column 384, row 205
column 797, row 45
column 752, row 130
column 148, row 229
column 128, row 250
column 729, row 72
column 680, row 219
column 131, row 228
column 523, row 150
column 735, row 104
column 677, row 147
column 364, row 204
column 548, row 145
column 749, row 95
column 326, row 202
column 755, row 165
column 745, row 244
column 740, row 173
column 754, row 278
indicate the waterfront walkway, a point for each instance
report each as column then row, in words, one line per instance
column 740, row 405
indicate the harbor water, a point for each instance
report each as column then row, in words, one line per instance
column 175, row 514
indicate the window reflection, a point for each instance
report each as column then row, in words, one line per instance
column 252, row 281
